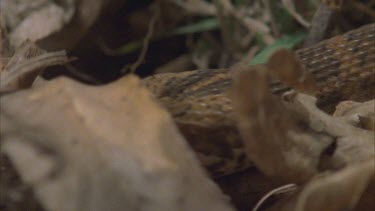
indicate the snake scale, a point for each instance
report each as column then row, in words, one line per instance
column 343, row 68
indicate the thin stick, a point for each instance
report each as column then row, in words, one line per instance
column 33, row 64
column 282, row 189
column 289, row 6
column 146, row 42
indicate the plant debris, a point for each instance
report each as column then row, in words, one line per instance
column 80, row 131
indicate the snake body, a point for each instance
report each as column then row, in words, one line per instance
column 343, row 68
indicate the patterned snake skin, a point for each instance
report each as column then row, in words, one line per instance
column 342, row 66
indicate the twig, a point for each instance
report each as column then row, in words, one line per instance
column 292, row 11
column 80, row 75
column 321, row 24
column 146, row 43
column 48, row 59
column 282, row 189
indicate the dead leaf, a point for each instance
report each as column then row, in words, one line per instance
column 337, row 191
column 65, row 22
column 357, row 114
column 27, row 63
column 102, row 148
column 286, row 67
column 24, row 19
column 353, row 145
column 348, row 189
column 276, row 140
column 293, row 141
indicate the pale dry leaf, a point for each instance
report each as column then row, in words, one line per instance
column 357, row 114
column 367, row 122
column 102, row 148
column 53, row 25
column 353, row 145
column 293, row 140
column 337, row 191
column 27, row 50
column 351, row 188
column 34, row 20
column 26, row 64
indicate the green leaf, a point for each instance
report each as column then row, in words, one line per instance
column 129, row 47
column 201, row 26
column 288, row 41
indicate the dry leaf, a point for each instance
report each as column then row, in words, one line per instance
column 367, row 122
column 275, row 139
column 357, row 114
column 293, row 141
column 285, row 66
column 102, row 148
column 348, row 189
column 24, row 19
column 337, row 191
column 353, row 145
column 65, row 22
column 26, row 64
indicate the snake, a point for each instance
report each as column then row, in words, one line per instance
column 342, row 66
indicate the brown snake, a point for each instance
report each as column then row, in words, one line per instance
column 343, row 68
